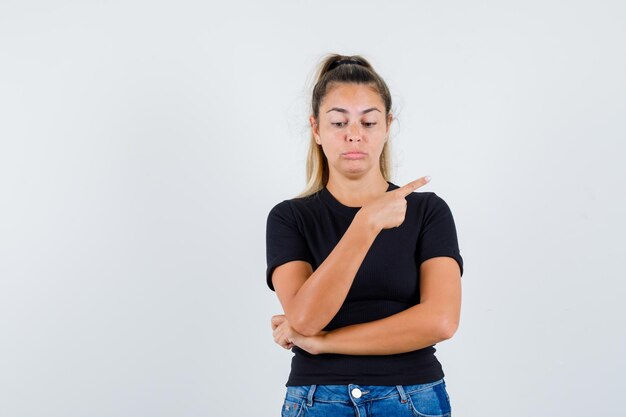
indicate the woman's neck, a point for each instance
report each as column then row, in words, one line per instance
column 357, row 193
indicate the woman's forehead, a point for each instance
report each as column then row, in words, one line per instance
column 352, row 97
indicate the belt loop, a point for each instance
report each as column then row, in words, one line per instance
column 309, row 398
column 402, row 393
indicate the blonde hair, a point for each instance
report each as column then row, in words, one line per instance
column 330, row 72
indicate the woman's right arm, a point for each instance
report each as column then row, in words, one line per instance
column 311, row 299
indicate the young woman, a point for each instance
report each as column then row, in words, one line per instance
column 368, row 273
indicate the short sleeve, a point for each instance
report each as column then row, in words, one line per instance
column 438, row 232
column 284, row 240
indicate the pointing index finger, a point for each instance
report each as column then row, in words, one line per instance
column 412, row 186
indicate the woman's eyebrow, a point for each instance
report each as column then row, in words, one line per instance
column 339, row 109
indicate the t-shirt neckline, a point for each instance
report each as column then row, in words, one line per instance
column 334, row 204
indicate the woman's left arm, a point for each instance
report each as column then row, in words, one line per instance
column 435, row 319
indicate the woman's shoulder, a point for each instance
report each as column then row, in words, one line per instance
column 424, row 201
column 288, row 206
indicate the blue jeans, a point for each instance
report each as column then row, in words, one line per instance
column 421, row 400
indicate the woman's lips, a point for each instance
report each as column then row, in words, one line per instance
column 354, row 155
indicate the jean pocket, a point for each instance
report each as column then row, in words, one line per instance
column 291, row 408
column 432, row 401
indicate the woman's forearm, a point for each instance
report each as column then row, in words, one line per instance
column 319, row 299
column 412, row 329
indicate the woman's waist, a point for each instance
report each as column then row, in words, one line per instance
column 425, row 355
column 350, row 392
column 349, row 366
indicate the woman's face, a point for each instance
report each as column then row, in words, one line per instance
column 352, row 128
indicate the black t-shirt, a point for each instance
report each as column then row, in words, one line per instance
column 387, row 282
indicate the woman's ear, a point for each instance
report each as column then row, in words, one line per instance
column 389, row 120
column 315, row 129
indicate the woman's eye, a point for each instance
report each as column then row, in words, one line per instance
column 341, row 124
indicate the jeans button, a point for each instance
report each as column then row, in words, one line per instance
column 356, row 393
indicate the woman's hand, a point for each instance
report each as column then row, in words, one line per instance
column 389, row 210
column 287, row 337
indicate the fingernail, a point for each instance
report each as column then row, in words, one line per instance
column 427, row 178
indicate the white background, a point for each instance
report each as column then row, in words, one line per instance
column 142, row 145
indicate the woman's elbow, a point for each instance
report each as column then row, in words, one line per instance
column 448, row 327
column 305, row 327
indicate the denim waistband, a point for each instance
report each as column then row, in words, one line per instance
column 353, row 393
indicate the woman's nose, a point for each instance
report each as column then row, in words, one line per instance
column 354, row 133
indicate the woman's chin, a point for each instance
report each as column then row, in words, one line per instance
column 355, row 171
